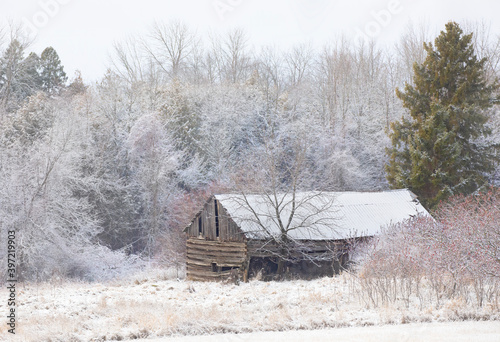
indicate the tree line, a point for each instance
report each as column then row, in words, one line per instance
column 100, row 174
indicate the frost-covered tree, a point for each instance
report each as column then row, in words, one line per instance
column 52, row 75
column 170, row 46
column 42, row 147
column 184, row 120
column 32, row 67
column 18, row 76
column 22, row 77
column 280, row 166
column 229, row 57
column 115, row 198
column 178, row 118
column 440, row 150
column 154, row 164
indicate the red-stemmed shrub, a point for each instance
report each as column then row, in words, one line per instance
column 454, row 255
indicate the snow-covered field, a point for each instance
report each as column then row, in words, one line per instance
column 151, row 306
column 422, row 332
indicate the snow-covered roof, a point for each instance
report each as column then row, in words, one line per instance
column 320, row 215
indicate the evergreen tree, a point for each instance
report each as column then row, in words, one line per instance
column 440, row 150
column 31, row 73
column 76, row 86
column 184, row 119
column 52, row 73
column 10, row 72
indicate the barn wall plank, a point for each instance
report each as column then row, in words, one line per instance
column 201, row 254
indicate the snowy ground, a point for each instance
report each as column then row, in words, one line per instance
column 413, row 332
column 150, row 306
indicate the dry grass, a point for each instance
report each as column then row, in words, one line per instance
column 153, row 305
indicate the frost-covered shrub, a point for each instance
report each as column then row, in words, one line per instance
column 455, row 256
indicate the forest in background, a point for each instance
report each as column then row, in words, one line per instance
column 97, row 179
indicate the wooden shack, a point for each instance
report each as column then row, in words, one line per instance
column 231, row 235
column 216, row 246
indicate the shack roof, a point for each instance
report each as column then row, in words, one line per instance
column 320, row 215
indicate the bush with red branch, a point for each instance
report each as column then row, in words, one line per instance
column 457, row 255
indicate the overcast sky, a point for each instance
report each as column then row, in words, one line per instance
column 83, row 31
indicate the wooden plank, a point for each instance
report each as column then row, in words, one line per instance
column 304, row 242
column 217, row 248
column 201, row 278
column 216, row 254
column 230, row 264
column 195, row 278
column 198, row 269
column 204, row 267
column 197, row 257
column 201, row 253
column 219, row 262
column 264, row 254
column 322, row 247
column 207, row 275
column 211, row 275
column 208, row 241
column 216, row 251
column 215, row 243
column 202, row 257
column 198, row 262
column 212, row 254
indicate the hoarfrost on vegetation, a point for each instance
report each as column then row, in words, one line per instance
column 155, row 303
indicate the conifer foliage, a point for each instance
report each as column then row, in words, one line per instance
column 441, row 150
column 52, row 72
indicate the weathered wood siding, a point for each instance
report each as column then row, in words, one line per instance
column 263, row 248
column 215, row 260
column 207, row 220
column 227, row 230
column 220, row 250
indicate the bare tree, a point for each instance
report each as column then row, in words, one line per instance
column 140, row 73
column 298, row 62
column 170, row 46
column 334, row 79
column 276, row 194
column 271, row 76
column 128, row 60
column 230, row 56
column 410, row 48
column 197, row 71
column 486, row 46
column 271, row 67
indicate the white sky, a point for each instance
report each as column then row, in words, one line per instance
column 83, row 31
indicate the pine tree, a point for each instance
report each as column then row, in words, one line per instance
column 10, row 72
column 76, row 86
column 440, row 150
column 52, row 74
column 31, row 77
